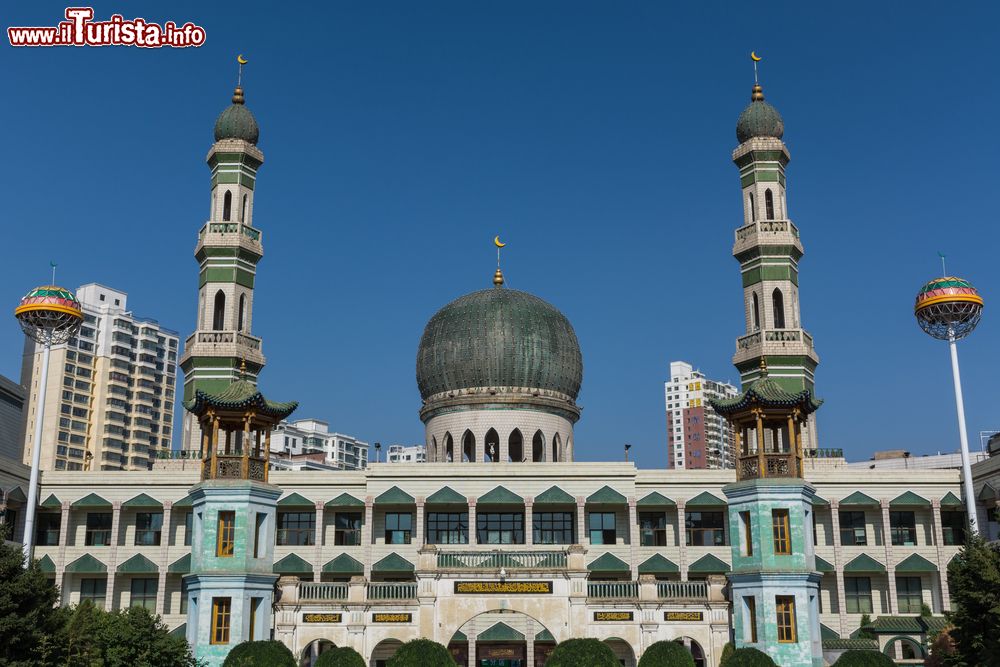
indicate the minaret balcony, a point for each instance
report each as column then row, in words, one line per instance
column 235, row 344
column 230, row 234
column 767, row 232
column 774, row 342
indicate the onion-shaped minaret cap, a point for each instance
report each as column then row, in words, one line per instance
column 236, row 122
column 759, row 119
column 948, row 307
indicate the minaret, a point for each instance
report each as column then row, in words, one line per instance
column 228, row 249
column 768, row 249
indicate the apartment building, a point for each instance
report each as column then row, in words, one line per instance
column 697, row 436
column 406, row 454
column 291, row 440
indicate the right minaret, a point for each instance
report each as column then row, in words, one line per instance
column 768, row 249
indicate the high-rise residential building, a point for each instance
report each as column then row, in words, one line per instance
column 406, row 454
column 697, row 436
column 312, row 436
column 12, row 398
column 110, row 395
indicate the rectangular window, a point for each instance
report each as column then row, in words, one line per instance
column 188, row 520
column 47, row 534
column 98, row 529
column 852, row 529
column 258, row 533
column 221, row 611
column 347, row 529
column 705, row 529
column 553, row 527
column 184, row 597
column 747, row 534
column 653, row 529
column 779, row 527
column 784, row 606
column 909, row 594
column 750, row 633
column 226, row 541
column 500, row 527
column 148, row 528
column 602, row 528
column 296, row 528
column 447, row 528
column 953, row 526
column 144, row 593
column 398, row 527
column 254, row 603
column 94, row 590
column 903, row 527
column 858, row 594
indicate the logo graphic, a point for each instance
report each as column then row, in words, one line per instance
column 80, row 29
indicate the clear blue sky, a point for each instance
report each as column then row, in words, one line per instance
column 594, row 137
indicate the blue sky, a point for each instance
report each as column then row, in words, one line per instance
column 400, row 137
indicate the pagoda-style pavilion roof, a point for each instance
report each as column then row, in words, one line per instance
column 765, row 392
column 241, row 395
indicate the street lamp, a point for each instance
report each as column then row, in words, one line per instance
column 627, row 447
column 378, row 450
column 949, row 308
column 47, row 314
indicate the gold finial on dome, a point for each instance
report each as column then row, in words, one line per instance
column 498, row 278
column 238, row 95
column 243, row 369
column 763, row 366
column 758, row 93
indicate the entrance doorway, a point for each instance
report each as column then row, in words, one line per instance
column 501, row 655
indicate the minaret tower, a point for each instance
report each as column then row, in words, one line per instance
column 768, row 249
column 228, row 249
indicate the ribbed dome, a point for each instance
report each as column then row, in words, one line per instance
column 759, row 119
column 236, row 122
column 499, row 337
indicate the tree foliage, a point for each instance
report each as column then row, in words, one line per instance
column 666, row 654
column 940, row 649
column 974, row 581
column 421, row 653
column 343, row 656
column 749, row 657
column 860, row 658
column 28, row 616
column 862, row 633
column 727, row 653
column 582, row 653
column 266, row 653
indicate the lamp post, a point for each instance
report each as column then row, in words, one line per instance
column 47, row 314
column 378, row 450
column 627, row 447
column 949, row 308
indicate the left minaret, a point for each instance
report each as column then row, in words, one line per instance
column 228, row 249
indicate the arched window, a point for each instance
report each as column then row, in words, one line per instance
column 769, row 204
column 469, row 447
column 778, row 304
column 243, row 313
column 492, row 442
column 219, row 312
column 227, row 206
column 515, row 447
column 538, row 447
column 556, row 448
column 449, row 448
column 756, row 312
column 243, row 209
column 753, row 209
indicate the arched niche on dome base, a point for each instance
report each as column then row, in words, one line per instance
column 449, row 448
column 491, row 446
column 515, row 447
column 468, row 447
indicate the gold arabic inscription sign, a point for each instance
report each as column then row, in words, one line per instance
column 606, row 616
column 504, row 587
column 321, row 618
column 391, row 617
column 683, row 616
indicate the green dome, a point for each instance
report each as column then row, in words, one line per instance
column 236, row 122
column 499, row 337
column 759, row 119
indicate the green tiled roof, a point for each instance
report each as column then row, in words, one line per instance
column 858, row 498
column 500, row 632
column 655, row 499
column 46, row 565
column 292, row 564
column 658, row 564
column 916, row 563
column 554, row 496
column 934, row 623
column 850, row 644
column 766, row 392
column 458, row 638
column 864, row 563
column 51, row 503
column 394, row 496
column 142, row 501
column 500, row 496
column 295, row 500
column 909, row 499
column 240, row 395
column 706, row 499
column 544, row 636
column 345, row 500
column 180, row 566
column 951, row 500
column 824, row 566
column 606, row 496
column 608, row 563
column 896, row 624
column 184, row 502
column 137, row 564
column 92, row 501
column 709, row 564
column 446, row 496
column 393, row 563
column 87, row 564
column 344, row 564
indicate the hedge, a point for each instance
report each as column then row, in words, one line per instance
column 749, row 657
column 421, row 653
column 666, row 654
column 343, row 656
column 582, row 653
column 269, row 653
column 860, row 658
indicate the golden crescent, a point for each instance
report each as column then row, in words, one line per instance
column 241, row 60
column 754, row 56
column 496, row 242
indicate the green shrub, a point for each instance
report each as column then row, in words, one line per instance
column 343, row 656
column 727, row 653
column 268, row 653
column 861, row 633
column 856, row 658
column 666, row 654
column 749, row 657
column 582, row 653
column 421, row 653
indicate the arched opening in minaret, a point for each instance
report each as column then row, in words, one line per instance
column 538, row 447
column 243, row 313
column 449, row 448
column 219, row 311
column 778, row 303
column 243, row 209
column 769, row 204
column 515, row 447
column 227, row 206
column 468, row 447
column 492, row 446
column 432, row 450
column 556, row 447
column 756, row 312
column 753, row 209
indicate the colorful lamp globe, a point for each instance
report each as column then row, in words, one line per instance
column 49, row 314
column 948, row 308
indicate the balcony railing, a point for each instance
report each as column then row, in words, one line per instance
column 766, row 227
column 315, row 591
column 682, row 590
column 774, row 465
column 774, row 336
column 392, row 590
column 495, row 560
column 824, row 453
column 611, row 590
column 232, row 467
column 230, row 228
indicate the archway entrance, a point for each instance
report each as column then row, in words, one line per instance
column 384, row 650
column 313, row 650
column 501, row 638
column 694, row 648
column 622, row 650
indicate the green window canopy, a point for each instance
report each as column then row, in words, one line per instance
column 951, row 501
column 819, row 502
column 544, row 636
column 864, row 563
column 345, row 500
column 137, row 564
column 184, row 502
column 987, row 492
column 706, row 499
column 179, row 631
column 393, row 564
column 826, row 633
column 606, row 496
column 500, row 632
column 916, row 563
column 859, row 499
column 295, row 500
column 554, row 496
column 87, row 564
column 91, row 502
column 609, row 563
column 395, row 496
column 458, row 638
column 658, row 565
column 709, row 564
column 46, row 565
column 344, row 565
column 180, row 566
column 655, row 499
column 909, row 499
column 446, row 496
column 824, row 566
column 142, row 501
column 51, row 503
column 17, row 495
column 500, row 496
column 292, row 564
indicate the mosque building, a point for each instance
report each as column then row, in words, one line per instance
column 500, row 545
